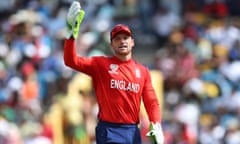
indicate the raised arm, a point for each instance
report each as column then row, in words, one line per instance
column 70, row 54
column 71, row 59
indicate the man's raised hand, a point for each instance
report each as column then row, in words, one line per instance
column 74, row 19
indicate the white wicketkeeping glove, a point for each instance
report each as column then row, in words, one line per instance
column 74, row 19
column 156, row 133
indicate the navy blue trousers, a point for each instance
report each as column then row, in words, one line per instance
column 110, row 133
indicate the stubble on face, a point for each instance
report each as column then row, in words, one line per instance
column 122, row 45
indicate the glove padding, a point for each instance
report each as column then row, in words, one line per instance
column 74, row 19
column 156, row 133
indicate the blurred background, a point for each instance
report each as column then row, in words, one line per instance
column 192, row 48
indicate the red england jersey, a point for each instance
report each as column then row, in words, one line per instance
column 119, row 86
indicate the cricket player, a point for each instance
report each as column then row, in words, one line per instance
column 120, row 84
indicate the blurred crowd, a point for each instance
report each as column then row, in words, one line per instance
column 195, row 68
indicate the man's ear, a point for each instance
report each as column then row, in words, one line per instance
column 111, row 44
column 133, row 42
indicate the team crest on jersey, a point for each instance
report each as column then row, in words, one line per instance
column 113, row 69
column 138, row 74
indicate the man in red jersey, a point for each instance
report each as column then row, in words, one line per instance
column 120, row 84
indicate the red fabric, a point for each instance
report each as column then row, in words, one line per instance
column 190, row 32
column 119, row 86
column 120, row 28
column 186, row 68
column 47, row 131
column 217, row 8
column 27, row 69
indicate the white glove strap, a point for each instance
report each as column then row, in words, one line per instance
column 68, row 34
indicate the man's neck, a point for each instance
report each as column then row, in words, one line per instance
column 124, row 57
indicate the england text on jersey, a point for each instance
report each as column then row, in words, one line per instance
column 124, row 85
